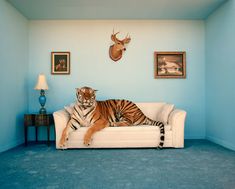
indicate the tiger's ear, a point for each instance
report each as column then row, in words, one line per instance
column 77, row 89
column 77, row 92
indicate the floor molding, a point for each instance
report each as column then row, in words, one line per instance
column 11, row 145
column 221, row 142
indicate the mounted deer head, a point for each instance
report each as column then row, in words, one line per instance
column 116, row 50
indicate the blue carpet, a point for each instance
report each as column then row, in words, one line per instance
column 200, row 165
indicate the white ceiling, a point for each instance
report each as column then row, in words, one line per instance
column 116, row 9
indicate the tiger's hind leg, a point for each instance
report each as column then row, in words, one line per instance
column 124, row 119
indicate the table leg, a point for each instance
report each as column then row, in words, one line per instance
column 25, row 135
column 36, row 133
column 48, row 135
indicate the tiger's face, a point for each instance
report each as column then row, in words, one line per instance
column 86, row 96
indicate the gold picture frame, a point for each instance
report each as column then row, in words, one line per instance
column 169, row 65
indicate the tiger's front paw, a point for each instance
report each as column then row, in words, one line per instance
column 87, row 140
column 113, row 124
column 62, row 143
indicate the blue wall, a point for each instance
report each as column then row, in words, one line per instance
column 131, row 78
column 220, row 77
column 13, row 77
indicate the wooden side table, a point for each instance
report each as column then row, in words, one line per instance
column 37, row 120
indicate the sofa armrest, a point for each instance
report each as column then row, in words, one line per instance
column 61, row 118
column 177, row 122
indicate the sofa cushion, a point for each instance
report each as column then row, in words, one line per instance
column 69, row 108
column 151, row 109
column 121, row 137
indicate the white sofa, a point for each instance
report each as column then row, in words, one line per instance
column 129, row 136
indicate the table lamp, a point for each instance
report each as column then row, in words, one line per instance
column 42, row 86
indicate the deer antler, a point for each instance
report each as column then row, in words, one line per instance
column 127, row 39
column 114, row 38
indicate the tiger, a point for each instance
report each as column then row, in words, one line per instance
column 88, row 112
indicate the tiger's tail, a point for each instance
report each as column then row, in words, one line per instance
column 161, row 128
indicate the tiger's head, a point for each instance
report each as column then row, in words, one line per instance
column 86, row 96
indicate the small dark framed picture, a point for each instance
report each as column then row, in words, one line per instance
column 60, row 63
column 170, row 64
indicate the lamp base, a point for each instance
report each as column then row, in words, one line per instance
column 42, row 101
column 42, row 111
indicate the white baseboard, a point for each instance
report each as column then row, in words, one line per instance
column 11, row 145
column 221, row 142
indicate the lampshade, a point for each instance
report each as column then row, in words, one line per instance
column 42, row 83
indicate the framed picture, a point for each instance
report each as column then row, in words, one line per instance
column 169, row 64
column 60, row 62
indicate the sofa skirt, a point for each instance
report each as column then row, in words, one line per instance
column 120, row 137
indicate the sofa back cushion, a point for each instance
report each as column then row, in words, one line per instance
column 158, row 111
column 151, row 109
